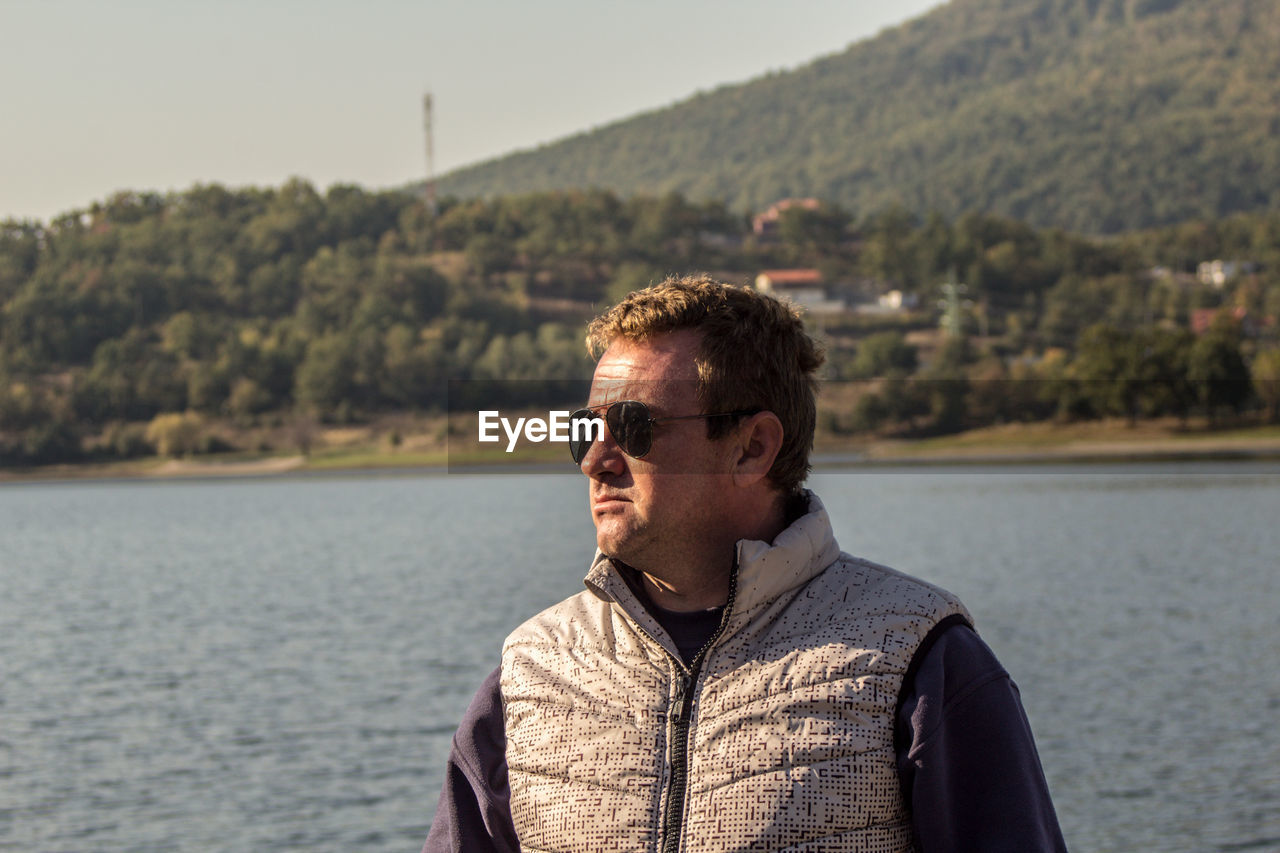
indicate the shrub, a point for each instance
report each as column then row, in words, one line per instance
column 175, row 434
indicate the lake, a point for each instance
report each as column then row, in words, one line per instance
column 279, row 664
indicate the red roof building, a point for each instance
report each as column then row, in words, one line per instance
column 766, row 224
column 802, row 287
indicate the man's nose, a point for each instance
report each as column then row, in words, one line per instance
column 603, row 457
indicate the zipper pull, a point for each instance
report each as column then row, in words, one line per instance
column 685, row 698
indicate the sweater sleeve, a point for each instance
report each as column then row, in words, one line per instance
column 473, row 814
column 966, row 757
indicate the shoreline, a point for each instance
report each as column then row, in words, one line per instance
column 1018, row 444
column 1046, row 444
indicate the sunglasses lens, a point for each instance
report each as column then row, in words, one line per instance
column 580, row 434
column 629, row 423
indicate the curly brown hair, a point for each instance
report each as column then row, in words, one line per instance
column 754, row 355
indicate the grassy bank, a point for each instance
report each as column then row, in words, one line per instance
column 426, row 444
column 1084, row 441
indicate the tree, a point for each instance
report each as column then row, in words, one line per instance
column 887, row 252
column 414, row 370
column 904, row 400
column 1134, row 373
column 247, row 398
column 1107, row 367
column 51, row 442
column 869, row 412
column 820, row 229
column 291, row 223
column 326, row 377
column 628, row 277
column 992, row 395
column 946, row 388
column 1165, row 389
column 1217, row 372
column 19, row 255
column 488, row 253
column 881, row 354
column 1265, row 373
column 175, row 433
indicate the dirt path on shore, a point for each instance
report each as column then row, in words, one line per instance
column 189, row 468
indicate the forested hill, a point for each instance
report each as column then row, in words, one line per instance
column 1092, row 115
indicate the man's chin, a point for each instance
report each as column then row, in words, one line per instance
column 614, row 540
column 610, row 547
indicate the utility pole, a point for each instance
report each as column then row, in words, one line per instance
column 952, row 305
column 429, row 188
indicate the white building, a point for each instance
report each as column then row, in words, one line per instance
column 801, row 287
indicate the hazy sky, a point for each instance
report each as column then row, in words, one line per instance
column 103, row 95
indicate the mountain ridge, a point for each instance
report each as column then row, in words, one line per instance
column 1092, row 115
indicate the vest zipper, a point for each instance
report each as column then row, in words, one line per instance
column 671, row 828
column 673, row 825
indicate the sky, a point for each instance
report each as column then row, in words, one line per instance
column 101, row 96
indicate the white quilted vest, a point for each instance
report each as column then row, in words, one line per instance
column 786, row 740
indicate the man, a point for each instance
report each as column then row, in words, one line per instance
column 730, row 680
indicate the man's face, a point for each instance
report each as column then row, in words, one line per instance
column 669, row 504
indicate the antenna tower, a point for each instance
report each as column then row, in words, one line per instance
column 429, row 188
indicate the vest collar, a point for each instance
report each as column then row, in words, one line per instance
column 798, row 554
column 765, row 570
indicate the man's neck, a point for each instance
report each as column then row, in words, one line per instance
column 697, row 591
column 702, row 581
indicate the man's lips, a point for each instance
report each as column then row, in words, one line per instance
column 607, row 501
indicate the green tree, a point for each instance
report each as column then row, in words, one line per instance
column 489, row 253
column 630, row 276
column 1165, row 387
column 887, row 249
column 19, row 255
column 1265, row 373
column 247, row 398
column 50, row 442
column 870, row 412
column 292, row 223
column 1108, row 368
column 414, row 372
column 819, row 230
column 175, row 433
column 1218, row 372
column 881, row 354
column 326, row 376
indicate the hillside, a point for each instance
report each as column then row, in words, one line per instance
column 271, row 320
column 1092, row 115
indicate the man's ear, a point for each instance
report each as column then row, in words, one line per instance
column 759, row 439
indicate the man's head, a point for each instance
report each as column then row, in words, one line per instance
column 753, row 354
column 691, row 350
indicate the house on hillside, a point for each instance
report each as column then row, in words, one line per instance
column 801, row 287
column 896, row 300
column 892, row 301
column 1219, row 273
column 1250, row 326
column 765, row 225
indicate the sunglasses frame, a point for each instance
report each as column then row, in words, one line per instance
column 579, row 449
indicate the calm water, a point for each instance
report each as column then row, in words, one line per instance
column 279, row 664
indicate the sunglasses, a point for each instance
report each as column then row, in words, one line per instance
column 630, row 423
